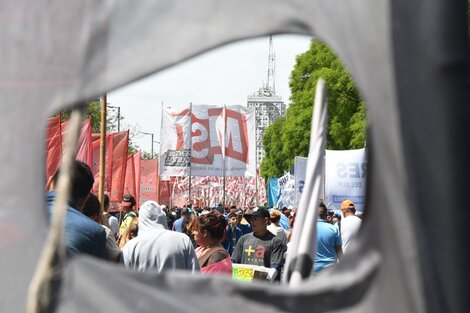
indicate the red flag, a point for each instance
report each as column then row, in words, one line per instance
column 96, row 163
column 149, row 181
column 137, row 171
column 53, row 147
column 118, row 165
column 129, row 182
column 164, row 193
column 84, row 151
column 84, row 147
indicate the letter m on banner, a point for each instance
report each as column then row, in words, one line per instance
column 207, row 138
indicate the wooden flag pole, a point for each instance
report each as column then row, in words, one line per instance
column 102, row 154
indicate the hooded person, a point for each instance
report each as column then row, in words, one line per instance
column 156, row 247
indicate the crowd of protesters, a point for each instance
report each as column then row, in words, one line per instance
column 209, row 240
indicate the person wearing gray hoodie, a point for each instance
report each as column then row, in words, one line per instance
column 156, row 247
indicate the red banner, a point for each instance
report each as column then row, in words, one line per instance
column 137, row 171
column 129, row 182
column 164, row 193
column 115, row 160
column 149, row 181
column 96, row 163
column 84, row 146
column 118, row 165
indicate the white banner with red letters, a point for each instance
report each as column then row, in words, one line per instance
column 208, row 140
column 175, row 143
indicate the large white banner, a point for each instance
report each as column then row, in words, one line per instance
column 175, row 141
column 207, row 137
column 213, row 137
column 345, row 178
column 300, row 170
column 240, row 141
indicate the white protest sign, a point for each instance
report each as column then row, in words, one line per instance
column 345, row 178
column 300, row 170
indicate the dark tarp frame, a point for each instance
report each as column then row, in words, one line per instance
column 410, row 61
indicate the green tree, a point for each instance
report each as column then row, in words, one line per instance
column 146, row 155
column 346, row 111
column 274, row 155
column 94, row 113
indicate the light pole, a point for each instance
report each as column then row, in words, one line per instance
column 156, row 142
column 151, row 134
column 118, row 115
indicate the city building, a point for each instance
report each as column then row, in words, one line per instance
column 268, row 106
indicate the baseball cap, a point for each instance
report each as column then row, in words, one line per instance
column 260, row 211
column 346, row 204
column 220, row 209
column 128, row 200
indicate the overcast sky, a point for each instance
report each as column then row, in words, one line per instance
column 226, row 75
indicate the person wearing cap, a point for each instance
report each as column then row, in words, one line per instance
column 220, row 209
column 156, row 247
column 350, row 224
column 127, row 205
column 260, row 247
column 328, row 241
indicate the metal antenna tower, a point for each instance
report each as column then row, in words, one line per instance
column 271, row 83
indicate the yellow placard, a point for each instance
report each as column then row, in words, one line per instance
column 244, row 273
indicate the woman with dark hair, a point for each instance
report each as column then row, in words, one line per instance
column 187, row 226
column 209, row 231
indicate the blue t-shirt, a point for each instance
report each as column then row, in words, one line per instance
column 178, row 225
column 81, row 234
column 284, row 222
column 328, row 238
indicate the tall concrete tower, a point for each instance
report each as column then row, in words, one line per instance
column 268, row 106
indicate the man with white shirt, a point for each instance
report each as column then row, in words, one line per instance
column 350, row 224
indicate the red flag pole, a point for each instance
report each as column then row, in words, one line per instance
column 190, row 149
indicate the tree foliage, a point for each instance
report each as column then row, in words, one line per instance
column 289, row 136
column 94, row 113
